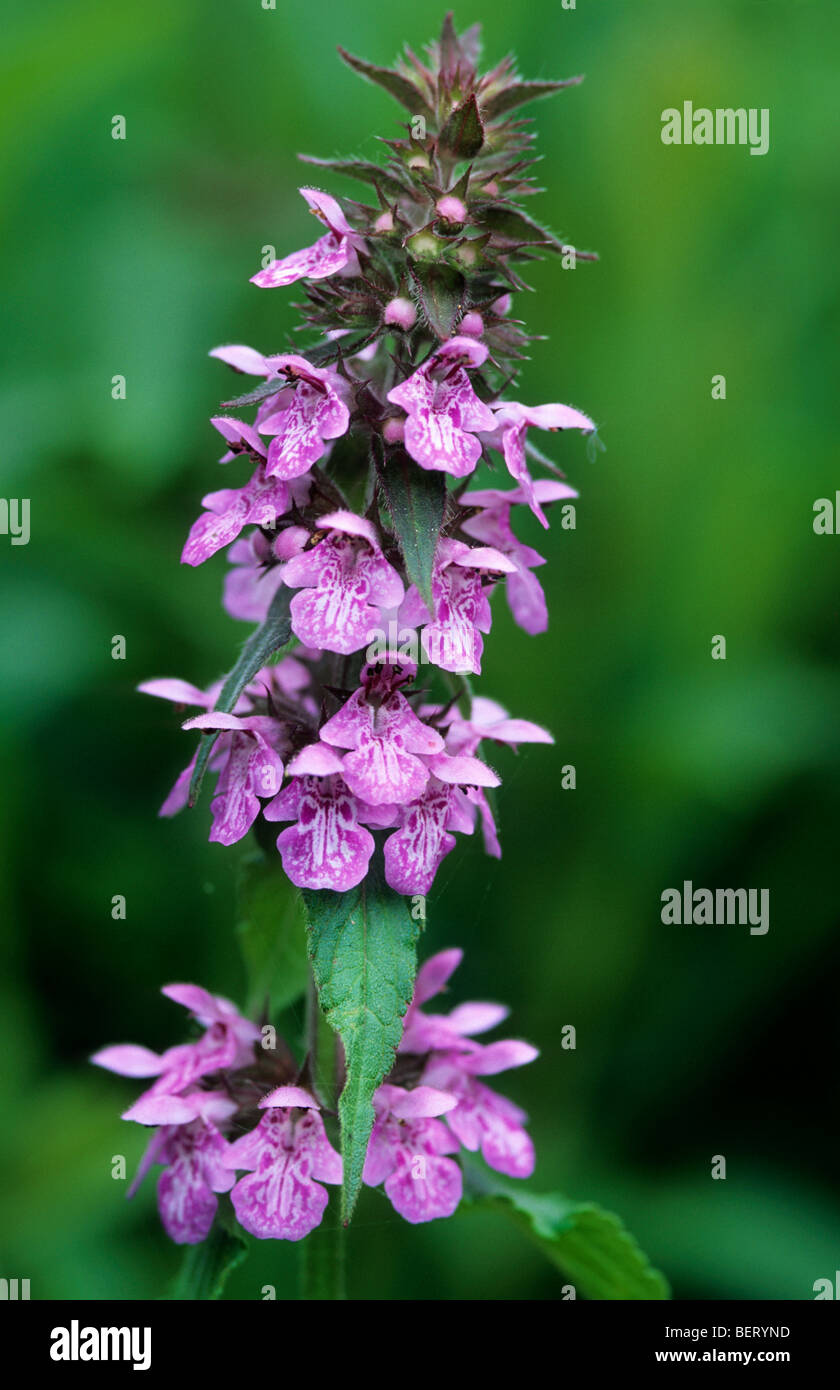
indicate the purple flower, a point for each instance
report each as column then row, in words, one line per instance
column 492, row 525
column 386, row 738
column 287, row 1156
column 227, row 1042
column 416, row 850
column 346, row 583
column 193, row 1153
column 253, row 580
column 452, row 1032
column 326, row 847
column 452, row 638
column 482, row 1119
column 407, row 1150
column 334, row 252
column 259, row 503
column 252, row 768
column 302, row 417
column 510, row 426
column 444, row 413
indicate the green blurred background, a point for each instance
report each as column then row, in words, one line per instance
column 133, row 257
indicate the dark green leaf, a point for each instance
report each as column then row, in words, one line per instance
column 206, row 1267
column 363, row 950
column 520, row 92
column 273, row 634
column 362, row 170
column 463, row 134
column 272, row 935
column 416, row 499
column 510, row 227
column 589, row 1246
column 400, row 87
column 440, row 290
column 259, row 393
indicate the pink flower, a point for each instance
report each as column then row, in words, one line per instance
column 287, row 1156
column 227, row 1042
column 452, row 638
column 346, row 583
column 386, row 738
column 424, row 1032
column 444, row 413
column 414, row 853
column 194, row 1157
column 326, row 847
column 252, row 768
column 493, row 526
column 407, row 1150
column 303, row 416
column 510, row 426
column 481, row 1119
column 259, row 503
column 253, row 580
column 331, row 253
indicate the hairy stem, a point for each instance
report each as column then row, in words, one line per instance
column 323, row 1253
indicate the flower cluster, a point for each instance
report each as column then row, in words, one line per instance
column 234, row 1102
column 356, row 518
column 380, row 762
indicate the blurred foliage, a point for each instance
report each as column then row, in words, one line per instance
column 133, row 257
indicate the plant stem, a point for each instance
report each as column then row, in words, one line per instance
column 322, row 1253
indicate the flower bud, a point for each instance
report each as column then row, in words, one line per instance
column 394, row 429
column 472, row 324
column 401, row 313
column 451, row 209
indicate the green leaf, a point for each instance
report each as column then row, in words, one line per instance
column 406, row 93
column 363, row 950
column 272, row 935
column 259, row 393
column 362, row 170
column 588, row 1245
column 520, row 92
column 416, row 500
column 273, row 634
column 463, row 134
column 206, row 1267
column 510, row 227
column 440, row 289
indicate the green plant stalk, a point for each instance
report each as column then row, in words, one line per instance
column 323, row 1253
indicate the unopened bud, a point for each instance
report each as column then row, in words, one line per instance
column 401, row 313
column 394, row 429
column 384, row 222
column 502, row 304
column 451, row 209
column 472, row 324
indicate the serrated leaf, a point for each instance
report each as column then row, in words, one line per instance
column 463, row 133
column 345, row 347
column 590, row 1246
column 510, row 227
column 271, row 929
column 416, row 500
column 268, row 638
column 519, row 92
column 398, row 86
column 363, row 950
column 362, row 170
column 440, row 289
column 206, row 1267
column 259, row 393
